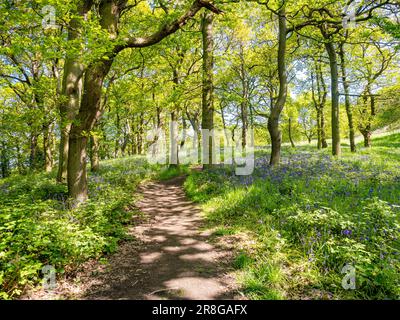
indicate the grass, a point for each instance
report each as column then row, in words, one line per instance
column 172, row 172
column 38, row 229
column 309, row 218
column 306, row 220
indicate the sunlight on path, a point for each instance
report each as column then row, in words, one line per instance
column 174, row 259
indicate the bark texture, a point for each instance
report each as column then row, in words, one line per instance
column 330, row 48
column 207, row 120
column 276, row 109
column 349, row 111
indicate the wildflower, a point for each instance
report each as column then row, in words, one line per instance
column 346, row 232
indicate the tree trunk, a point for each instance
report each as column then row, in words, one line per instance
column 273, row 119
column 227, row 138
column 68, row 111
column 367, row 138
column 244, row 115
column 20, row 161
column 346, row 90
column 83, row 124
column 207, row 121
column 330, row 48
column 125, row 143
column 319, row 102
column 134, row 144
column 366, row 130
column 324, row 144
column 70, row 92
column 173, row 147
column 118, row 126
column 47, row 145
column 158, row 126
column 319, row 141
column 244, row 102
column 116, row 148
column 94, row 153
column 5, row 162
column 290, row 133
column 109, row 12
column 184, row 128
column 33, row 146
column 276, row 140
column 140, row 134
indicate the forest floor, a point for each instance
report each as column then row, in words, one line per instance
column 171, row 256
column 280, row 233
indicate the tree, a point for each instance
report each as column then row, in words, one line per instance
column 346, row 93
column 375, row 60
column 319, row 93
column 276, row 109
column 71, row 85
column 207, row 115
column 30, row 70
column 329, row 19
column 109, row 17
column 307, row 122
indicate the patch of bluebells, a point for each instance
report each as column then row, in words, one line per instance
column 344, row 186
column 305, row 165
column 347, row 232
column 347, row 192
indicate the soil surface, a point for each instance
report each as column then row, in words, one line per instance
column 171, row 256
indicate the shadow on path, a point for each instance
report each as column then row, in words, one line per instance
column 171, row 258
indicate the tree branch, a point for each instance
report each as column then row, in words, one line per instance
column 168, row 29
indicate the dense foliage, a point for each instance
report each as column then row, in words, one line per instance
column 309, row 218
column 38, row 229
column 85, row 82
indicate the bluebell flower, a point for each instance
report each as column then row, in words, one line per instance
column 346, row 232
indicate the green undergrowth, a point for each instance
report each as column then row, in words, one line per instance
column 312, row 219
column 172, row 172
column 38, row 229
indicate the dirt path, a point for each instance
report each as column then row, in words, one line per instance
column 171, row 257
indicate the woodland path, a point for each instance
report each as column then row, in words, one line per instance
column 171, row 256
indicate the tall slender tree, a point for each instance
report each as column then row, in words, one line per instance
column 207, row 118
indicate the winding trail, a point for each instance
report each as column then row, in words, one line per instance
column 170, row 258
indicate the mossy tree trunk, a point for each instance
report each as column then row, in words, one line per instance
column 207, row 120
column 70, row 91
column 276, row 109
column 333, row 64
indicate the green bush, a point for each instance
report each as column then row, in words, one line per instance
column 38, row 229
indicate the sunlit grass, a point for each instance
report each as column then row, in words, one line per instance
column 311, row 216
